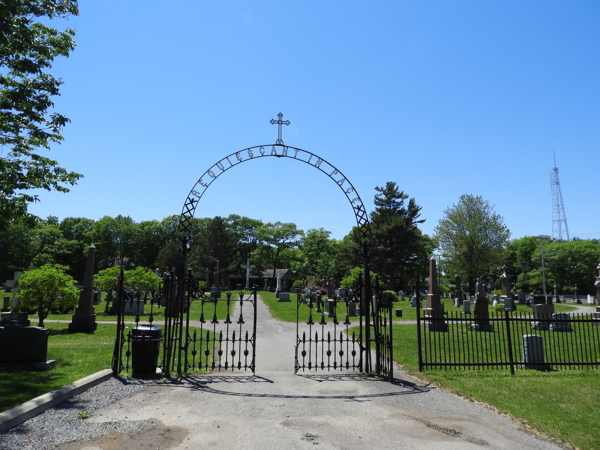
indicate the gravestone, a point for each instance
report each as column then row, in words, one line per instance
column 133, row 307
column 330, row 308
column 96, row 297
column 284, row 297
column 494, row 303
column 560, row 322
column 434, row 313
column 6, row 304
column 238, row 287
column 509, row 305
column 24, row 348
column 596, row 319
column 542, row 313
column 330, row 289
column 340, row 293
column 265, row 285
column 522, row 298
column 278, row 288
column 248, row 266
column 533, row 352
column 351, row 309
column 505, row 285
column 413, row 302
column 466, row 307
column 556, row 296
column 15, row 315
column 482, row 315
column 591, row 300
column 459, row 293
column 316, row 299
column 84, row 319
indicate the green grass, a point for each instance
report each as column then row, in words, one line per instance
column 157, row 313
column 560, row 404
column 410, row 313
column 286, row 311
column 77, row 355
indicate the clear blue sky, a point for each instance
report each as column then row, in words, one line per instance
column 445, row 98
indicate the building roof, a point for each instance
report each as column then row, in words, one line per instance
column 283, row 273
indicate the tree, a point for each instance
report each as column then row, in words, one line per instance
column 398, row 243
column 318, row 252
column 27, row 49
column 115, row 240
column 215, row 242
column 472, row 237
column 273, row 239
column 46, row 288
column 17, row 247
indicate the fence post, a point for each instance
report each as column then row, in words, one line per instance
column 419, row 349
column 510, row 353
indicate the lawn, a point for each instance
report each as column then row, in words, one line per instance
column 410, row 313
column 158, row 312
column 77, row 355
column 560, row 404
column 286, row 311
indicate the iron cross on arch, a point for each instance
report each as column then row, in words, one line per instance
column 279, row 122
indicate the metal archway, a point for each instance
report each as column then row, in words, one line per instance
column 279, row 150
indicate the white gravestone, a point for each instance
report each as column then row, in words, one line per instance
column 248, row 266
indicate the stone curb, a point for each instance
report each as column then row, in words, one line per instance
column 27, row 410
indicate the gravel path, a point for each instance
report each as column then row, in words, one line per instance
column 62, row 424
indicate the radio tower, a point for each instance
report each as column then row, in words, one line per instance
column 559, row 218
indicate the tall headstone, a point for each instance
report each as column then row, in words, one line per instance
column 248, row 266
column 15, row 315
column 207, row 282
column 330, row 289
column 482, row 315
column 459, row 295
column 278, row 288
column 577, row 296
column 505, row 285
column 84, row 319
column 596, row 320
column 266, row 285
column 556, row 296
column 434, row 313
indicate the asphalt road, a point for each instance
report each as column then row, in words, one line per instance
column 279, row 410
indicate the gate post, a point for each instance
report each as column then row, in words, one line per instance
column 419, row 349
column 254, row 335
column 367, row 304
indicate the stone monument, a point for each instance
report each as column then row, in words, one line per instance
column 434, row 313
column 458, row 291
column 482, row 315
column 556, row 296
column 84, row 319
column 248, row 266
column 505, row 286
column 278, row 288
column 596, row 320
column 15, row 315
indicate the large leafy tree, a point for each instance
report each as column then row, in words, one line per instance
column 398, row 243
column 318, row 251
column 472, row 237
column 46, row 288
column 27, row 49
column 215, row 242
column 274, row 240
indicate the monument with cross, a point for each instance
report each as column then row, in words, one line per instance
column 279, row 123
column 248, row 266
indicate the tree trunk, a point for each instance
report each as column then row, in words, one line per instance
column 41, row 316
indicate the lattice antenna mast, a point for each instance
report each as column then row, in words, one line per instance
column 560, row 230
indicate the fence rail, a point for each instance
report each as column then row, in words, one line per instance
column 514, row 340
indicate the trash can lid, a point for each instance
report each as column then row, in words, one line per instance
column 145, row 329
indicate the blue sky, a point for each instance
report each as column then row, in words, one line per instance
column 444, row 98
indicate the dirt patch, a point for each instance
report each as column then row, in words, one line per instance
column 154, row 437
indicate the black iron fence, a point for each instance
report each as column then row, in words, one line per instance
column 514, row 340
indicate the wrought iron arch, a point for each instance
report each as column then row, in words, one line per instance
column 279, row 150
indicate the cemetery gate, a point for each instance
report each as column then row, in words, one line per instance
column 352, row 352
column 223, row 338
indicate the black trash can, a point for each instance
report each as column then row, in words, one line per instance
column 145, row 347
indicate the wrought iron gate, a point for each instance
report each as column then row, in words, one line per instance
column 324, row 343
column 214, row 343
